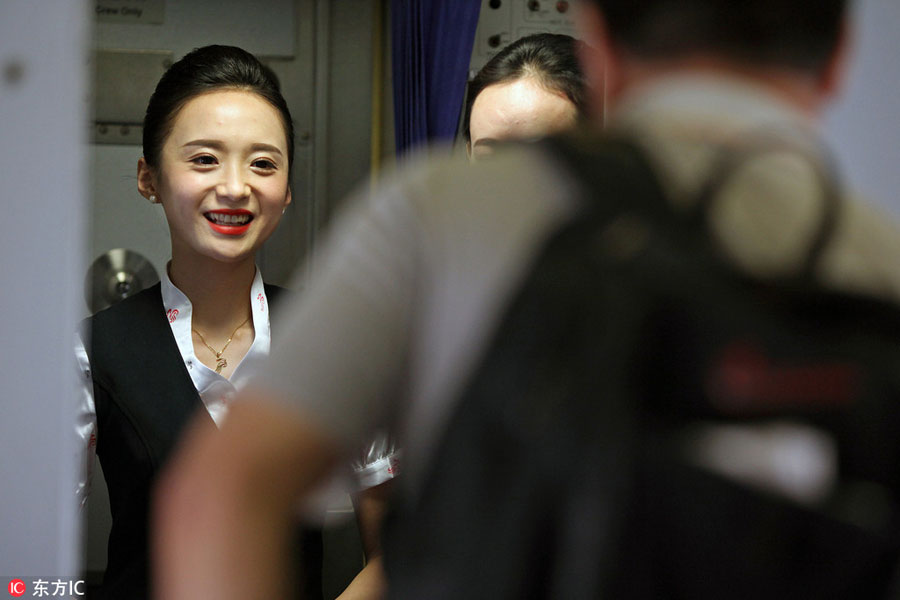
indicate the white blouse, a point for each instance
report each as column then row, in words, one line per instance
column 377, row 464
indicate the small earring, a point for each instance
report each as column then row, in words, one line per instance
column 283, row 209
column 152, row 198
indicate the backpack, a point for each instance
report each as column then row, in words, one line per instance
column 563, row 471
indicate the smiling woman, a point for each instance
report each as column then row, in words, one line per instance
column 217, row 153
column 217, row 150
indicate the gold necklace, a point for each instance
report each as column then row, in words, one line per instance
column 221, row 363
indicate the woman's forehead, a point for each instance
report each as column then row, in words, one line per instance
column 519, row 108
column 229, row 113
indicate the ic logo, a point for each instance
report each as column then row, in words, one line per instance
column 172, row 313
column 262, row 302
column 16, row 588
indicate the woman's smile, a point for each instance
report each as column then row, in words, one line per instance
column 229, row 221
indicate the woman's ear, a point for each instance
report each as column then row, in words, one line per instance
column 146, row 181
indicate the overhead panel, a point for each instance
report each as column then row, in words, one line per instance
column 123, row 81
column 504, row 21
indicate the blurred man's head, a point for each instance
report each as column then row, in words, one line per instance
column 797, row 40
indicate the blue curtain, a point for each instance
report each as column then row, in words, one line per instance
column 431, row 46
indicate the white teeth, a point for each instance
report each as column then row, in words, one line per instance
column 224, row 219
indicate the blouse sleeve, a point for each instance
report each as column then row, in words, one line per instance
column 85, row 421
column 378, row 462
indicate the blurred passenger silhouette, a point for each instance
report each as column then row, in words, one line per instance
column 531, row 88
column 580, row 339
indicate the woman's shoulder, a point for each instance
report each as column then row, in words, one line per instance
column 277, row 289
column 277, row 293
column 145, row 302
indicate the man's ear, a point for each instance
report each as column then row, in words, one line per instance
column 599, row 59
column 146, row 181
column 833, row 77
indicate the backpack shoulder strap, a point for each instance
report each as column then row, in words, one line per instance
column 508, row 449
column 614, row 173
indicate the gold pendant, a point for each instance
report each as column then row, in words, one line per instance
column 221, row 363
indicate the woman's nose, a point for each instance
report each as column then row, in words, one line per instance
column 234, row 186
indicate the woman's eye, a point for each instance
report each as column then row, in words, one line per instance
column 262, row 163
column 204, row 160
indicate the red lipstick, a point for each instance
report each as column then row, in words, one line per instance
column 229, row 221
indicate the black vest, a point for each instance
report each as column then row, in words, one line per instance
column 144, row 397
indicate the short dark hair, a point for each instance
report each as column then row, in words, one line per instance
column 789, row 33
column 204, row 70
column 551, row 58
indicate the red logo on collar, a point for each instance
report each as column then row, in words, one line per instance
column 262, row 301
column 172, row 314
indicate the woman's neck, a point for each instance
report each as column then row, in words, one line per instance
column 219, row 292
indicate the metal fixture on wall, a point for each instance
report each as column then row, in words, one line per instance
column 114, row 276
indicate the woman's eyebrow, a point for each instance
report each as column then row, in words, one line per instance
column 220, row 145
column 265, row 147
column 206, row 143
